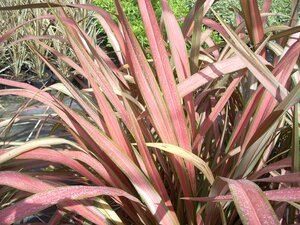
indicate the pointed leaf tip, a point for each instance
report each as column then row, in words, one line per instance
column 251, row 203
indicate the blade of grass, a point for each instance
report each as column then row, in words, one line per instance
column 188, row 156
column 31, row 6
column 32, row 92
column 251, row 203
column 141, row 184
column 91, row 70
column 282, row 71
column 26, row 183
column 181, row 61
column 279, row 110
column 295, row 144
column 96, row 164
column 285, row 195
column 189, row 19
column 148, row 160
column 253, row 21
column 217, row 109
column 265, row 9
column 34, row 144
column 254, row 64
column 149, row 87
column 40, row 201
column 286, row 178
column 23, row 182
column 6, row 35
column 211, row 72
column 117, row 43
column 284, row 163
column 265, row 107
column 179, row 53
column 75, row 93
column 164, row 73
column 196, row 36
column 56, row 157
column 285, row 33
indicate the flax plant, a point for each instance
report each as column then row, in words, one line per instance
column 204, row 134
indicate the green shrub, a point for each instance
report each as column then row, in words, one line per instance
column 179, row 7
column 225, row 9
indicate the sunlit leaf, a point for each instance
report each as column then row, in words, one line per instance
column 187, row 155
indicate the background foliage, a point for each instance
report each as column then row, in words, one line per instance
column 225, row 8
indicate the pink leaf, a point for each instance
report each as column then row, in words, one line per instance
column 287, row 178
column 211, row 72
column 23, row 182
column 164, row 73
column 251, row 203
column 5, row 36
column 57, row 157
column 40, row 201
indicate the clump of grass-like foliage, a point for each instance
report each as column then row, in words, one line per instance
column 187, row 136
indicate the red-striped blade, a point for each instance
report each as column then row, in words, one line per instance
column 253, row 21
column 287, row 178
column 29, row 184
column 282, row 195
column 251, row 203
column 217, row 109
column 57, row 157
column 179, row 53
column 211, row 72
column 40, row 201
column 254, row 64
column 164, row 73
column 6, row 35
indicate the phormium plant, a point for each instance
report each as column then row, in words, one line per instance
column 208, row 135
